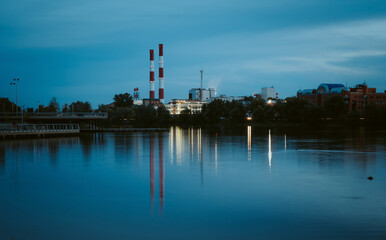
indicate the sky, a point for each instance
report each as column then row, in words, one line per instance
column 89, row 50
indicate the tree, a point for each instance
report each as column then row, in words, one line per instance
column 214, row 111
column 121, row 116
column 123, row 100
column 6, row 105
column 258, row 114
column 295, row 109
column 184, row 117
column 163, row 116
column 80, row 107
column 256, row 108
column 237, row 112
column 53, row 106
column 145, row 116
column 335, row 107
column 103, row 108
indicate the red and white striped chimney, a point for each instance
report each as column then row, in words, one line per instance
column 151, row 94
column 161, row 73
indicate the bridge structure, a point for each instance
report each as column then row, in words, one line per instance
column 25, row 130
column 86, row 120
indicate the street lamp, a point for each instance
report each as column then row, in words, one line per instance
column 22, row 114
column 12, row 83
column 15, row 81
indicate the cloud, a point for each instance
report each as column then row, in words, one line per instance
column 243, row 45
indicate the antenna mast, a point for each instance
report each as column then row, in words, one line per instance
column 202, row 77
column 201, row 87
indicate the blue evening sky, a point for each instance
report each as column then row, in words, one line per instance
column 89, row 50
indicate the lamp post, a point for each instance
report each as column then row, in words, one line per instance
column 22, row 114
column 12, row 83
column 15, row 81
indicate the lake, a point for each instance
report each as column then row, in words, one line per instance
column 192, row 183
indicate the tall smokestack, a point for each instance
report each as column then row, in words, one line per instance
column 151, row 94
column 161, row 73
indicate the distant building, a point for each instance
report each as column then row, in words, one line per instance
column 152, row 101
column 230, row 98
column 356, row 98
column 257, row 96
column 137, row 102
column 268, row 93
column 176, row 106
column 202, row 94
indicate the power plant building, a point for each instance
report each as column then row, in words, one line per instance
column 203, row 95
column 268, row 93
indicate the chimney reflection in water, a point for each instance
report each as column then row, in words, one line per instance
column 152, row 153
column 161, row 172
column 161, row 166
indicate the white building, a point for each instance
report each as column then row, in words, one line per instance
column 268, row 92
column 176, row 106
column 138, row 102
column 230, row 98
column 207, row 94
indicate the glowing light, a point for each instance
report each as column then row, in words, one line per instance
column 249, row 142
column 269, row 150
column 171, row 143
column 192, row 141
column 199, row 145
column 179, row 145
column 249, row 118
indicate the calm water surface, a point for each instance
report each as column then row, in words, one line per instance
column 195, row 184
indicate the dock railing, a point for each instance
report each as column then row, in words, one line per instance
column 68, row 115
column 38, row 129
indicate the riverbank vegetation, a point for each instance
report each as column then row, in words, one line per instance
column 291, row 111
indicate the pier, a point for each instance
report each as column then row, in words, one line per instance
column 53, row 116
column 29, row 130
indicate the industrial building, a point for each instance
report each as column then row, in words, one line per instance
column 176, row 106
column 268, row 93
column 151, row 101
column 203, row 95
column 356, row 98
column 229, row 98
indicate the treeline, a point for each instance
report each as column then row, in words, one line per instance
column 123, row 113
column 79, row 106
column 292, row 110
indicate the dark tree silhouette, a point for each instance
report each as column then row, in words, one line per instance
column 335, row 107
column 53, row 106
column 123, row 100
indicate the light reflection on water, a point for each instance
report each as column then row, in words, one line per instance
column 238, row 184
